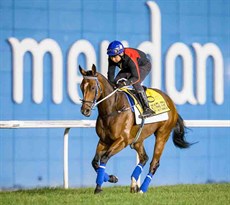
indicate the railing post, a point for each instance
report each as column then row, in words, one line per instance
column 66, row 158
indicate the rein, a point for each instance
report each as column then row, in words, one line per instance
column 95, row 102
column 98, row 102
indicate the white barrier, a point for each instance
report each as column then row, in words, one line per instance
column 67, row 124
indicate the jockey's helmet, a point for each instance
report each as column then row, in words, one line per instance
column 115, row 48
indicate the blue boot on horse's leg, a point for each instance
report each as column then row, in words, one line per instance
column 110, row 178
column 134, row 178
column 145, row 184
column 100, row 177
column 148, row 178
column 137, row 171
column 100, row 174
column 106, row 177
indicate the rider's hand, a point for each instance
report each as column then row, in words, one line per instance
column 121, row 84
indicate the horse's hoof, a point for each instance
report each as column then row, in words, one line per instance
column 98, row 190
column 134, row 189
column 113, row 179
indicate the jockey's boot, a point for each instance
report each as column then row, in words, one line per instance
column 147, row 112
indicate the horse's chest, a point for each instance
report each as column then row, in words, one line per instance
column 113, row 130
column 105, row 132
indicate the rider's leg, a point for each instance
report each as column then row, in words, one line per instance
column 147, row 112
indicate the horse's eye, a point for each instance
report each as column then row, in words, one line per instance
column 93, row 88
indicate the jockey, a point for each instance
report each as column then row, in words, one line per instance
column 134, row 67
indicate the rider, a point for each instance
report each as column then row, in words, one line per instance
column 134, row 67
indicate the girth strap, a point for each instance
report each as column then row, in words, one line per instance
column 138, row 133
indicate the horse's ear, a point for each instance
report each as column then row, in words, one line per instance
column 94, row 69
column 82, row 71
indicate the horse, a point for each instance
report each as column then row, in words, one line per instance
column 116, row 128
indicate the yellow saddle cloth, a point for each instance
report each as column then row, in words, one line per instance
column 156, row 102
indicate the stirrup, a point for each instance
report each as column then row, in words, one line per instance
column 147, row 113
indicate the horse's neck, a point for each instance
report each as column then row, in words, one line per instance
column 110, row 104
column 106, row 87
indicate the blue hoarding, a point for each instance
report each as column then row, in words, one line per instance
column 43, row 42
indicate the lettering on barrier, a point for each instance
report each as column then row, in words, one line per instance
column 152, row 48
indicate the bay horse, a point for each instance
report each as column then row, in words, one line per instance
column 116, row 129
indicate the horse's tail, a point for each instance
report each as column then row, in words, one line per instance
column 179, row 134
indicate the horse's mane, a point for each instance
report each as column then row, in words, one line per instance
column 91, row 74
column 112, row 85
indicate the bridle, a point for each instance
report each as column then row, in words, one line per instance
column 98, row 88
column 94, row 103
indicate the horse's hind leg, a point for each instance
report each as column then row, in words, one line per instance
column 143, row 158
column 161, row 139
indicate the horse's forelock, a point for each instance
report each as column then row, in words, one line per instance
column 90, row 73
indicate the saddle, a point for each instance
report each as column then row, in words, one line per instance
column 156, row 101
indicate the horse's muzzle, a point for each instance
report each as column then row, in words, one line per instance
column 86, row 111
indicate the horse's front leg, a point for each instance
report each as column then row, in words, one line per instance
column 110, row 178
column 117, row 146
column 101, row 149
column 143, row 158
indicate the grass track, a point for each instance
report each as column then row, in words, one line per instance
column 179, row 194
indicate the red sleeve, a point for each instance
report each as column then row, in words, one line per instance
column 134, row 67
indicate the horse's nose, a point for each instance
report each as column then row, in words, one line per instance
column 86, row 111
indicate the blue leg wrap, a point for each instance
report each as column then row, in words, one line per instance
column 137, row 171
column 106, row 177
column 100, row 174
column 145, row 184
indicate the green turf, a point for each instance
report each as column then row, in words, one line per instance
column 179, row 194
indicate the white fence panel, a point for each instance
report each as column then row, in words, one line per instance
column 67, row 124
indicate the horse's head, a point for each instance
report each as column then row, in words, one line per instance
column 91, row 89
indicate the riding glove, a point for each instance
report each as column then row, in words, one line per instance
column 121, row 83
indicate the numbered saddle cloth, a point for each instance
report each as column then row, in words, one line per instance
column 156, row 103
